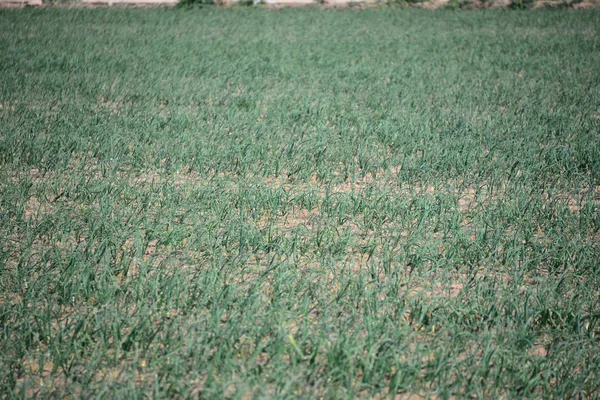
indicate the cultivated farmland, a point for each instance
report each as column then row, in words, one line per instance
column 254, row 203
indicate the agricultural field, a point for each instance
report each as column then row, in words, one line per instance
column 253, row 203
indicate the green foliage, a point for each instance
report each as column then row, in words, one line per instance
column 521, row 4
column 457, row 4
column 299, row 203
column 201, row 3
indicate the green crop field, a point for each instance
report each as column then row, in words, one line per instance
column 255, row 203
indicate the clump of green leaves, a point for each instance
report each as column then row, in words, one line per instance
column 521, row 4
column 201, row 3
